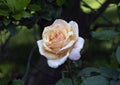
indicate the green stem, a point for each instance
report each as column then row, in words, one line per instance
column 70, row 72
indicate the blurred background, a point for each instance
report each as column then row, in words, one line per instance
column 22, row 23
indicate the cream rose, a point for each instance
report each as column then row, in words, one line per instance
column 60, row 41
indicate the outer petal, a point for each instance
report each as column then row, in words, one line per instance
column 75, row 53
column 74, row 26
column 42, row 51
column 63, row 24
column 79, row 44
column 56, row 63
column 60, row 21
column 39, row 43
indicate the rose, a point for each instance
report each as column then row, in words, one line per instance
column 60, row 41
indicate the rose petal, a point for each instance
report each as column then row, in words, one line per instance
column 63, row 24
column 39, row 43
column 60, row 21
column 79, row 44
column 67, row 46
column 47, row 48
column 56, row 63
column 45, row 34
column 44, row 52
column 75, row 53
column 74, row 26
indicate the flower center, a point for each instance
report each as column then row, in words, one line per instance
column 56, row 36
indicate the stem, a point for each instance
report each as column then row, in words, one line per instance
column 70, row 72
column 99, row 12
column 24, row 78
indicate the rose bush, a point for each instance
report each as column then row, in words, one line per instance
column 60, row 41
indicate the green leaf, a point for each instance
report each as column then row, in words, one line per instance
column 10, row 4
column 34, row 7
column 18, row 82
column 118, row 54
column 21, row 4
column 109, row 72
column 113, row 82
column 4, row 12
column 17, row 16
column 104, row 71
column 113, row 62
column 17, row 5
column 64, row 81
column 6, row 21
column 22, row 14
column 105, row 35
column 60, row 2
column 26, row 14
column 88, row 71
column 95, row 80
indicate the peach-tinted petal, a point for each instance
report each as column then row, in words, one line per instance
column 63, row 24
column 45, row 34
column 44, row 52
column 46, row 47
column 68, row 45
column 60, row 21
column 56, row 63
column 49, row 55
column 74, row 26
column 75, row 53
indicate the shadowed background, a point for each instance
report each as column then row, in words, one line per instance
column 22, row 23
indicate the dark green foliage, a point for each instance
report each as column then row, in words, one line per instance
column 95, row 80
column 3, row 12
column 18, row 82
column 11, row 28
column 64, row 81
column 60, row 2
column 103, row 71
column 118, row 54
column 100, row 76
column 113, row 82
column 34, row 7
column 88, row 71
column 16, row 5
column 105, row 35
